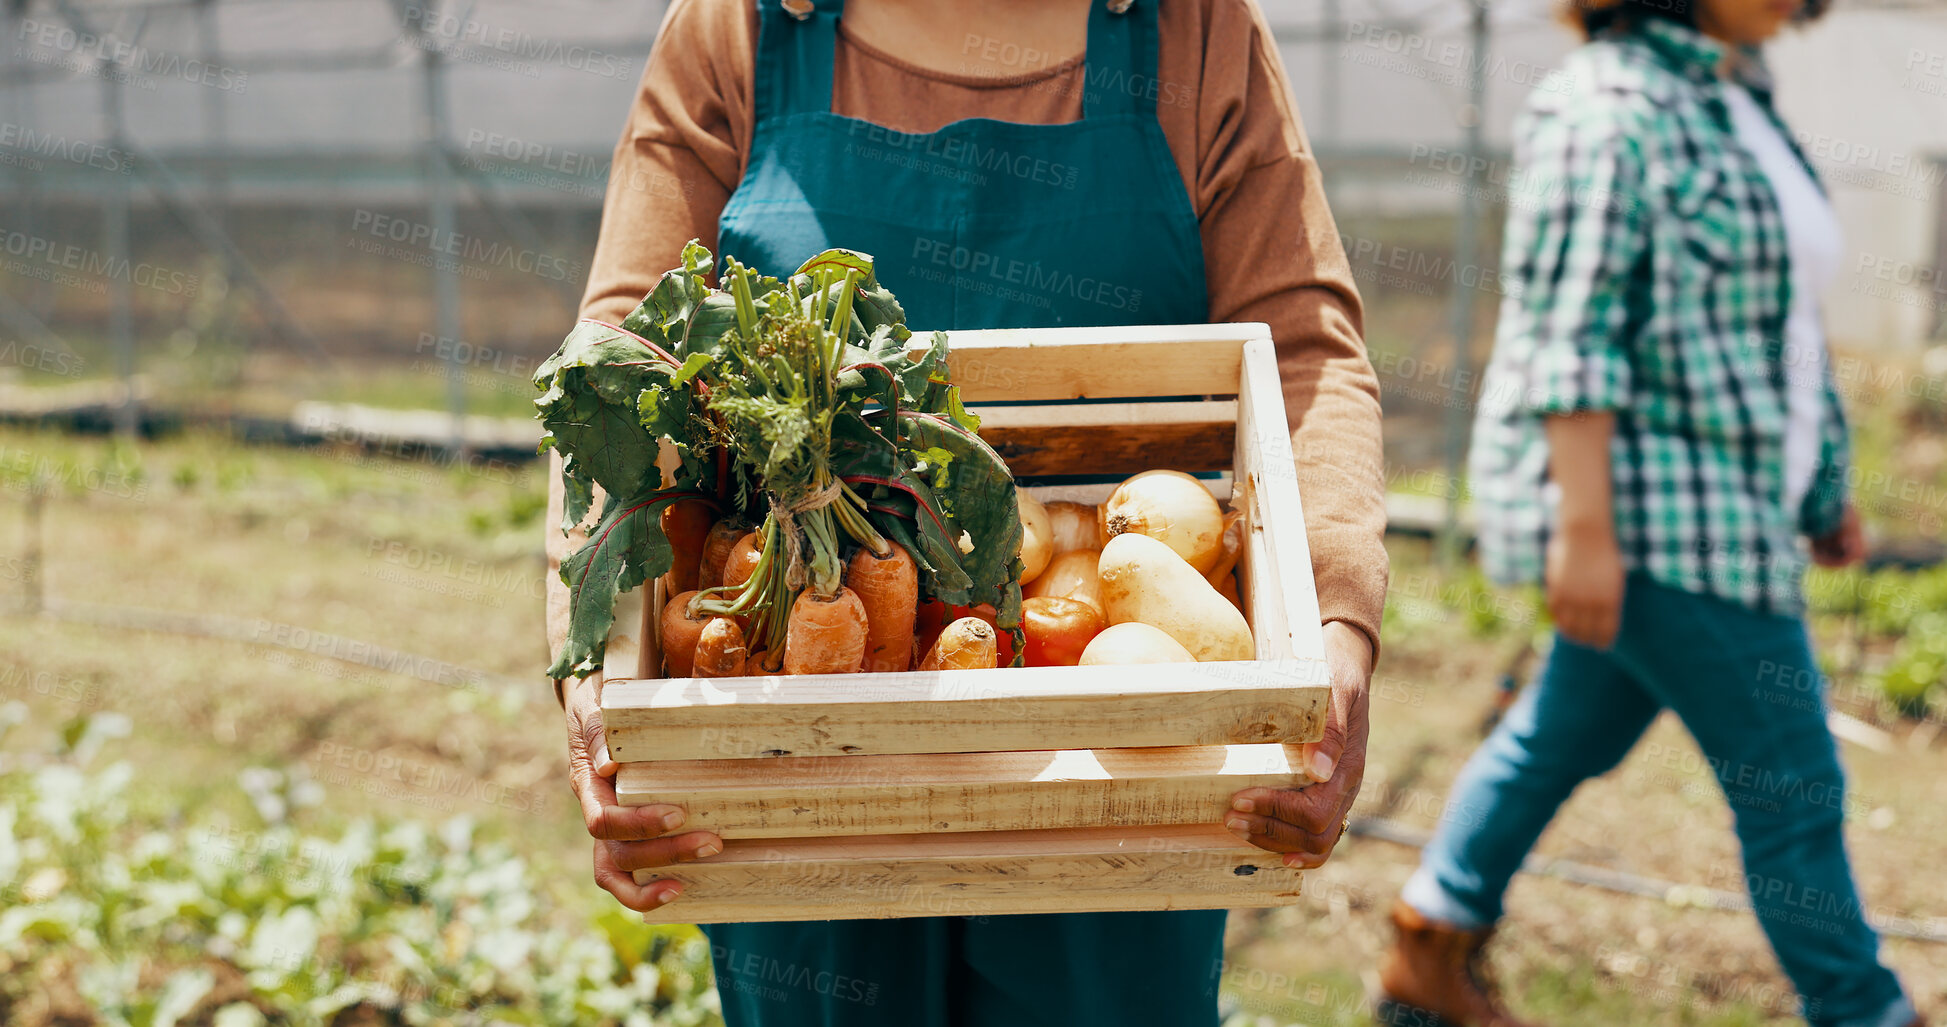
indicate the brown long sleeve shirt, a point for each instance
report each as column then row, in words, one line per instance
column 1271, row 250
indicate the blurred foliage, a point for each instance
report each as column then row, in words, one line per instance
column 1890, row 608
column 107, row 920
column 1425, row 597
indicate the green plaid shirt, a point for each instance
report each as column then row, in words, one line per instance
column 1647, row 275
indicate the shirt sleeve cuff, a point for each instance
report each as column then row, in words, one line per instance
column 1576, row 381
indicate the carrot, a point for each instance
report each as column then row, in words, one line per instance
column 1004, row 640
column 720, row 649
column 741, row 562
column 966, row 644
column 888, row 588
column 679, row 634
column 765, row 661
column 686, row 522
column 826, row 634
column 716, row 549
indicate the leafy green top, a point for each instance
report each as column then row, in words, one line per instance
column 803, row 398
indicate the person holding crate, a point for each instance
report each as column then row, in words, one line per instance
column 1017, row 163
column 1657, row 427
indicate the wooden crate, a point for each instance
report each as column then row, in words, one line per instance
column 1014, row 790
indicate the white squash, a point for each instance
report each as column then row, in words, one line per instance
column 1133, row 642
column 1145, row 580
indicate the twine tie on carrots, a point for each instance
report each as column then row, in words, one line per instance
column 787, row 523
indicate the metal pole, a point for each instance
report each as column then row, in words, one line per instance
column 32, row 560
column 1329, row 75
column 215, row 122
column 446, row 272
column 1461, row 298
column 26, row 200
column 121, row 271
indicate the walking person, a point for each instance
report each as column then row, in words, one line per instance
column 1015, row 163
column 1657, row 428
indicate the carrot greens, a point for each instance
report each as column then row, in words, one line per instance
column 802, row 403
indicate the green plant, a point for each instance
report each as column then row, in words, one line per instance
column 107, row 920
column 1919, row 665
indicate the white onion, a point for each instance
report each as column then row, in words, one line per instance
column 1171, row 507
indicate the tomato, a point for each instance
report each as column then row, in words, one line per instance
column 929, row 619
column 1058, row 630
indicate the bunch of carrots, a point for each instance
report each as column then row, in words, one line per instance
column 827, row 478
column 870, row 623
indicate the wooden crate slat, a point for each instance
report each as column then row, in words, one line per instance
column 1097, row 363
column 1112, row 438
column 1094, row 493
column 1005, row 709
column 1021, row 901
column 1074, row 870
column 1276, row 567
column 809, row 796
column 628, row 638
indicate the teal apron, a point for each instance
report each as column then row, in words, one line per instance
column 982, row 224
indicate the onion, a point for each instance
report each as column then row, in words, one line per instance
column 1070, row 575
column 1037, row 537
column 1171, row 507
column 1075, row 526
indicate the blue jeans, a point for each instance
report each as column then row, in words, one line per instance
column 1746, row 687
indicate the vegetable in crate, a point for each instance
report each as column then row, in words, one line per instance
column 1145, row 580
column 794, row 405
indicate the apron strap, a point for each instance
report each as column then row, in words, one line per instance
column 795, row 56
column 1119, row 72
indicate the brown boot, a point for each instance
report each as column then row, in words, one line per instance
column 1431, row 977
